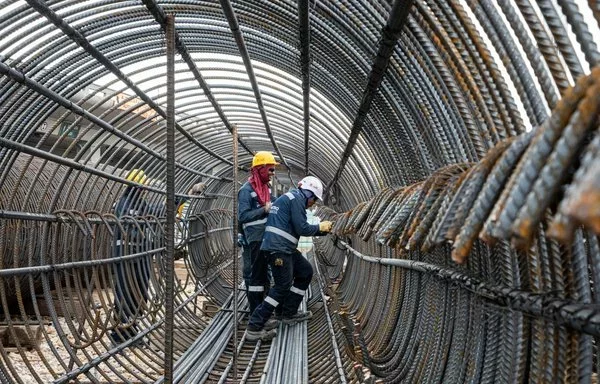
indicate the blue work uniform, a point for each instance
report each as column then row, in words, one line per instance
column 252, row 219
column 131, row 277
column 292, row 273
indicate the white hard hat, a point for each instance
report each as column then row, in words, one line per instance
column 312, row 184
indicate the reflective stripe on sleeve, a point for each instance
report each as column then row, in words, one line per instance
column 255, row 222
column 256, row 288
column 123, row 242
column 271, row 301
column 290, row 196
column 281, row 233
column 297, row 291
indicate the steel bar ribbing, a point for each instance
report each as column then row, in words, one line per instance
column 575, row 315
column 239, row 39
column 171, row 211
column 389, row 37
column 234, row 249
column 304, row 37
column 160, row 17
column 581, row 31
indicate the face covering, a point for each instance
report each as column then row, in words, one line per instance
column 259, row 180
column 308, row 194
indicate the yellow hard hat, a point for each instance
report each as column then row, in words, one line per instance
column 263, row 158
column 137, row 176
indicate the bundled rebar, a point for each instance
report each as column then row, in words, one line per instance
column 518, row 294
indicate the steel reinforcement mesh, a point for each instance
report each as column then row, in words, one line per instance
column 458, row 141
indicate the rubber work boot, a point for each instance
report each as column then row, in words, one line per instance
column 271, row 324
column 297, row 317
column 260, row 335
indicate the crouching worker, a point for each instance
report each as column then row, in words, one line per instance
column 292, row 273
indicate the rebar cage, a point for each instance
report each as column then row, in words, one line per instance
column 458, row 141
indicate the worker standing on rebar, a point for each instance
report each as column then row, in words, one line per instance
column 254, row 204
column 292, row 272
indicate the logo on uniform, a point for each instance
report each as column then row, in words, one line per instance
column 278, row 262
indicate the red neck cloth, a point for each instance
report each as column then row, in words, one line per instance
column 259, row 180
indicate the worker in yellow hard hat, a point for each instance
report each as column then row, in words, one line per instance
column 254, row 204
column 292, row 272
column 132, row 276
column 137, row 176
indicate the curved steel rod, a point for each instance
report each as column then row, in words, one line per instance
column 82, row 41
column 160, row 17
column 389, row 37
column 239, row 39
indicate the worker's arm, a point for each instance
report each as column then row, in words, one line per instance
column 298, row 218
column 247, row 213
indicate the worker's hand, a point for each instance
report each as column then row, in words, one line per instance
column 197, row 189
column 325, row 226
column 241, row 240
column 267, row 206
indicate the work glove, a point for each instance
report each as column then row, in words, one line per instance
column 241, row 240
column 325, row 226
column 197, row 189
column 267, row 206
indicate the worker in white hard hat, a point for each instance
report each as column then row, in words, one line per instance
column 254, row 204
column 292, row 273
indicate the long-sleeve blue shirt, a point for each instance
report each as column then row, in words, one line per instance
column 131, row 203
column 286, row 223
column 251, row 215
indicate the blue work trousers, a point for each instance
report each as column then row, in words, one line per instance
column 131, row 284
column 292, row 274
column 257, row 282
